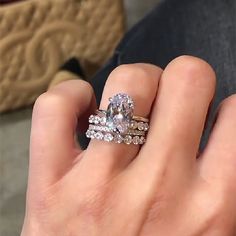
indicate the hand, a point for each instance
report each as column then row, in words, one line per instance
column 114, row 189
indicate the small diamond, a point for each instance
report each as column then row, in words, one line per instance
column 91, row 119
column 142, row 140
column 90, row 133
column 91, row 126
column 99, row 135
column 136, row 140
column 141, row 126
column 130, row 132
column 108, row 137
column 106, row 129
column 118, row 138
column 146, row 126
column 96, row 120
column 134, row 124
column 128, row 139
column 103, row 120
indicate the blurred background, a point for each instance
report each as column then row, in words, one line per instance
column 14, row 138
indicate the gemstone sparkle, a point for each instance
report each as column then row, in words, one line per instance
column 118, row 138
column 128, row 139
column 119, row 113
column 108, row 137
column 99, row 135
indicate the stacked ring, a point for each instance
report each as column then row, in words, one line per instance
column 117, row 123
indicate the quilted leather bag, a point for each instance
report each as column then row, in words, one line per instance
column 38, row 36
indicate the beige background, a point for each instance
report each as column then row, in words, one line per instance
column 14, row 142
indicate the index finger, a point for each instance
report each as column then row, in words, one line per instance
column 55, row 116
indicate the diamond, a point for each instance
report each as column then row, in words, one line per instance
column 134, row 124
column 146, row 126
column 136, row 140
column 108, row 137
column 99, row 135
column 128, row 139
column 118, row 138
column 119, row 113
column 96, row 120
column 141, row 126
column 103, row 120
column 106, row 129
column 91, row 119
column 90, row 133
column 91, row 126
column 142, row 140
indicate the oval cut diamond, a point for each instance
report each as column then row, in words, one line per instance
column 119, row 113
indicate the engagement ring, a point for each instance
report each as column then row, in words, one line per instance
column 118, row 123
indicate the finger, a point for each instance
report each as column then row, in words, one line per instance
column 185, row 92
column 218, row 161
column 140, row 81
column 54, row 122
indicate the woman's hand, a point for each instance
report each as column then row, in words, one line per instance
column 114, row 189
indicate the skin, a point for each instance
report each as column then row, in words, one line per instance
column 116, row 189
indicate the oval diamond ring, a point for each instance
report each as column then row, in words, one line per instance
column 118, row 123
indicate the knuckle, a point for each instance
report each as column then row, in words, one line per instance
column 71, row 83
column 41, row 99
column 45, row 202
column 216, row 216
column 220, row 208
column 229, row 104
column 48, row 99
column 59, row 96
column 131, row 74
column 194, row 70
column 85, row 88
column 91, row 208
column 94, row 204
column 154, row 213
column 194, row 64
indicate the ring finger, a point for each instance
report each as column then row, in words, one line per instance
column 140, row 82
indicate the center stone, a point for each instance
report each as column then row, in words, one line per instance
column 119, row 113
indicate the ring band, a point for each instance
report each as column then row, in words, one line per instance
column 106, row 129
column 117, row 123
column 134, row 124
column 117, row 138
